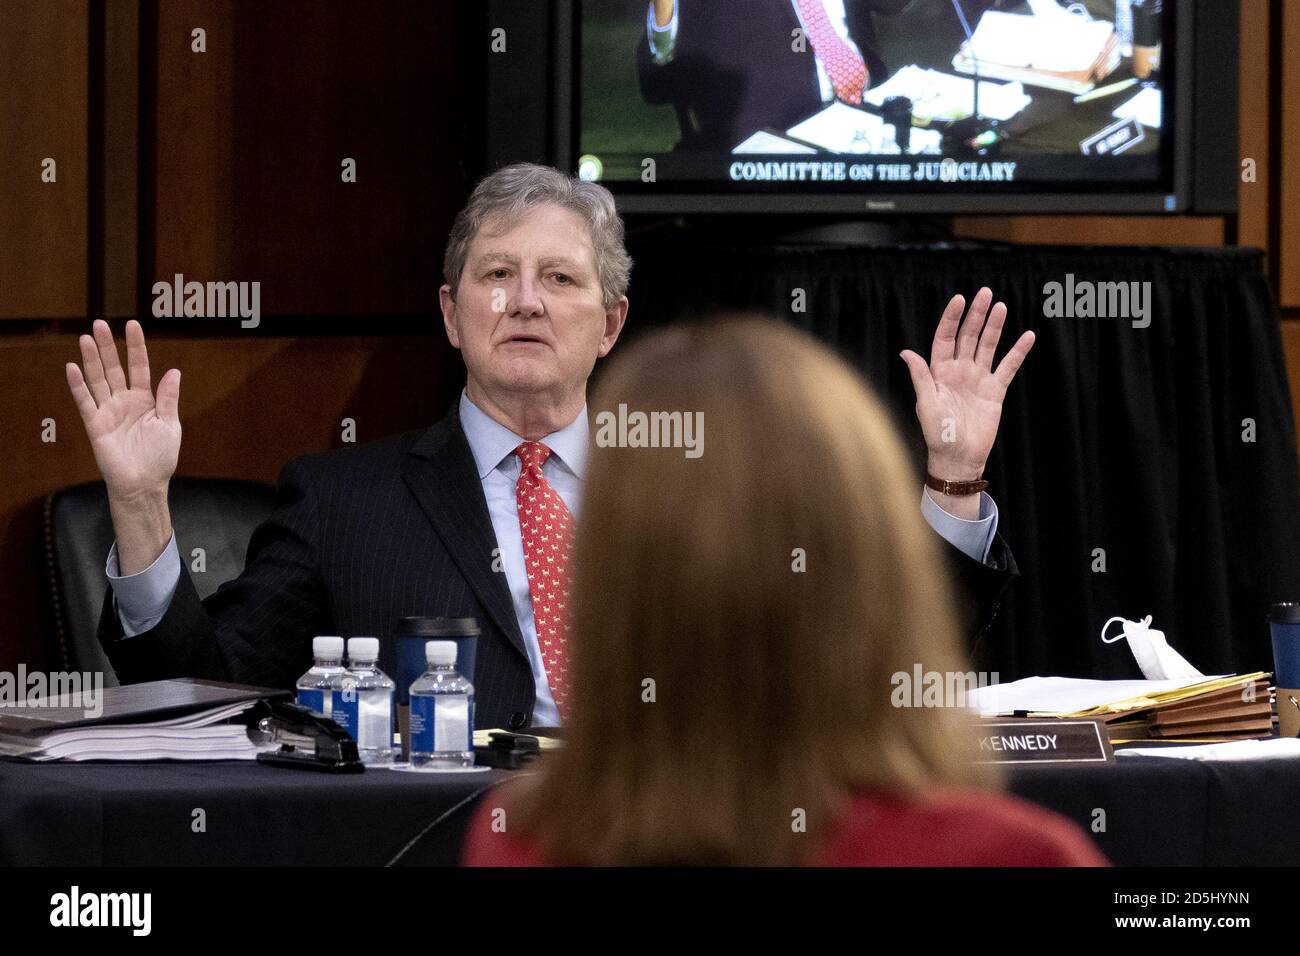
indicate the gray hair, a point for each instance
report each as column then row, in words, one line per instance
column 503, row 198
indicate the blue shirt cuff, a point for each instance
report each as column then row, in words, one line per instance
column 141, row 599
column 662, row 39
column 972, row 538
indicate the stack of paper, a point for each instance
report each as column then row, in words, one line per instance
column 1276, row 748
column 942, row 96
column 1232, row 707
column 161, row 720
column 1235, row 711
column 1145, row 107
column 1063, row 52
column 842, row 129
column 203, row 736
column 765, row 142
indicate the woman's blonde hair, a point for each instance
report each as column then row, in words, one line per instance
column 739, row 618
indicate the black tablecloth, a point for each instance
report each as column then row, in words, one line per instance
column 133, row 814
column 1160, row 811
column 1143, row 811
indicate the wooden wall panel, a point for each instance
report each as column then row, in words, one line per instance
column 191, row 199
column 222, row 165
column 1095, row 230
column 116, row 200
column 1288, row 130
column 1253, row 124
column 43, row 113
column 251, row 135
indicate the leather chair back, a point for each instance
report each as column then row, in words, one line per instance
column 217, row 515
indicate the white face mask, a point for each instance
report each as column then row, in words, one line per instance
column 1157, row 659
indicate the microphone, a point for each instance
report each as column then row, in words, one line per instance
column 973, row 136
column 970, row 45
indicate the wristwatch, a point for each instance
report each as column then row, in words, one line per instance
column 958, row 489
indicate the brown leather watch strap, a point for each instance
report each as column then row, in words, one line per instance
column 957, row 489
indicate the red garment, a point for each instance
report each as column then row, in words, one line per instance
column 547, row 529
column 953, row 829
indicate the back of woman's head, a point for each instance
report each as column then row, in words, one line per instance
column 741, row 608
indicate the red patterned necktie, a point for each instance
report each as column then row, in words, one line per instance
column 546, row 526
column 847, row 70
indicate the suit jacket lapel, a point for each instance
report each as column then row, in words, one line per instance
column 440, row 471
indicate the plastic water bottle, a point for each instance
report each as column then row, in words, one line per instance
column 365, row 696
column 315, row 688
column 442, row 712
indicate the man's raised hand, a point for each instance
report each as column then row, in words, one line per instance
column 959, row 393
column 135, row 436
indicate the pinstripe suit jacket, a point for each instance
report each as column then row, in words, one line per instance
column 363, row 536
column 359, row 538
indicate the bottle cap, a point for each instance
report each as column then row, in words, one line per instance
column 363, row 649
column 440, row 652
column 327, row 648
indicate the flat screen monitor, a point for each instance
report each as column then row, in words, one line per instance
column 882, row 105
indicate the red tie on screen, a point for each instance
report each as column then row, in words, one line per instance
column 547, row 529
column 847, row 70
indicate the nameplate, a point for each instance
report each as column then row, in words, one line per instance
column 1114, row 139
column 1020, row 740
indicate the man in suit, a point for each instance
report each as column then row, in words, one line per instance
column 731, row 69
column 473, row 516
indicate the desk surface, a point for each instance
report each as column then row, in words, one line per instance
column 1154, row 812
column 144, row 814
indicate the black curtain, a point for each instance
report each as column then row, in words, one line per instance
column 1134, row 441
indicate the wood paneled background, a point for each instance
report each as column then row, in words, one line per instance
column 225, row 166
column 221, row 166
